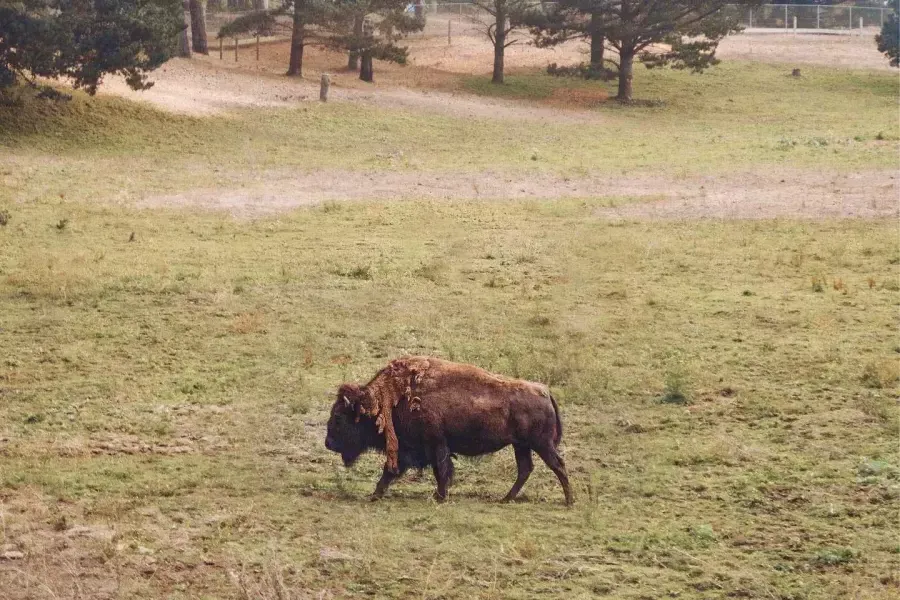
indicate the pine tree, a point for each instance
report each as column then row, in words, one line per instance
column 86, row 40
column 682, row 34
column 889, row 39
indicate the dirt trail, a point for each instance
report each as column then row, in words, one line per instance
column 753, row 195
column 200, row 87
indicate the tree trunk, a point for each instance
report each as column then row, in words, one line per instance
column 597, row 42
column 184, row 41
column 366, row 71
column 626, row 74
column 295, row 63
column 499, row 42
column 198, row 26
column 353, row 58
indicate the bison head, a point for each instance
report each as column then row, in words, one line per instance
column 347, row 434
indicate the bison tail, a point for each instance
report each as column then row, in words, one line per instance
column 558, row 437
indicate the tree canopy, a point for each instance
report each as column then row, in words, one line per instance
column 84, row 40
column 683, row 34
column 889, row 38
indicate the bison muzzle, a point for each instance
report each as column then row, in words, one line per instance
column 437, row 409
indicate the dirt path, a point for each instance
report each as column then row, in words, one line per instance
column 201, row 87
column 753, row 195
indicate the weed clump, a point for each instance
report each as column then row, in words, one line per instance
column 881, row 374
column 363, row 272
column 676, row 389
column 831, row 557
column 4, row 218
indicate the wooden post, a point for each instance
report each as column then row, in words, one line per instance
column 235, row 49
column 324, row 86
column 795, row 25
column 221, row 44
column 785, row 17
column 257, row 48
column 818, row 11
column 448, row 32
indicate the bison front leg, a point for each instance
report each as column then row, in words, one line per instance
column 387, row 477
column 525, row 466
column 443, row 471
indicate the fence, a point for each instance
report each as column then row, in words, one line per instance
column 832, row 17
column 452, row 19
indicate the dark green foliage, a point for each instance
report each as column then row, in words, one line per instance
column 692, row 30
column 259, row 22
column 581, row 70
column 889, row 39
column 84, row 40
column 385, row 23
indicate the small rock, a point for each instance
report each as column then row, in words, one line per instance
column 12, row 555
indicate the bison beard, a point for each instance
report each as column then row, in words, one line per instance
column 421, row 411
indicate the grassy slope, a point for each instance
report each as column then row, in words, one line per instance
column 162, row 401
column 171, row 392
column 737, row 116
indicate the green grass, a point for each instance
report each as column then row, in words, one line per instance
column 738, row 116
column 163, row 402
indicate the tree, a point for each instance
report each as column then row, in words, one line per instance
column 370, row 29
column 308, row 21
column 889, row 38
column 198, row 25
column 84, row 40
column 184, row 40
column 505, row 17
column 690, row 30
column 572, row 20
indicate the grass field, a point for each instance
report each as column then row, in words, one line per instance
column 167, row 396
column 739, row 116
column 728, row 388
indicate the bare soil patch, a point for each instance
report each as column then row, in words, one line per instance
column 202, row 87
column 752, row 195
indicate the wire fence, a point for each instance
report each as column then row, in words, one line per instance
column 458, row 19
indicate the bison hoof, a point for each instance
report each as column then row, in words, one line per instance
column 375, row 497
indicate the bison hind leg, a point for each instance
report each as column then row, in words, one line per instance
column 553, row 460
column 443, row 470
column 525, row 465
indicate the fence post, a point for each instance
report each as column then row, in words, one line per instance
column 449, row 21
column 795, row 25
column 235, row 49
column 851, row 18
column 785, row 17
column 818, row 10
column 860, row 24
column 751, row 18
column 257, row 48
column 882, row 17
column 221, row 41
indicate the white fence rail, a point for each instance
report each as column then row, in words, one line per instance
column 768, row 16
column 440, row 16
column 805, row 16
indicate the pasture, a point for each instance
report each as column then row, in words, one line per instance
column 708, row 282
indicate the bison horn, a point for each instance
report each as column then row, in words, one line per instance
column 346, row 400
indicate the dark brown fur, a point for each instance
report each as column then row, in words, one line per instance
column 440, row 408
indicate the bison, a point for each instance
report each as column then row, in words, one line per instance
column 426, row 410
